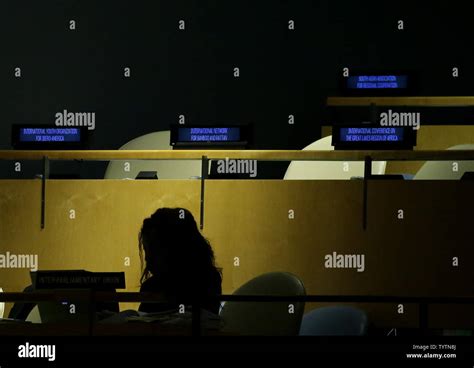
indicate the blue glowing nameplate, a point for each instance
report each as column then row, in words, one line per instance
column 209, row 135
column 218, row 136
column 50, row 135
column 377, row 82
column 42, row 136
column 372, row 137
column 372, row 134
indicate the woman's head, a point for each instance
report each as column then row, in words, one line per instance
column 172, row 244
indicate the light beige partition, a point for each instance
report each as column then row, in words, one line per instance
column 412, row 256
column 252, row 220
column 103, row 236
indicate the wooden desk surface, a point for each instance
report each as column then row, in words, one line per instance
column 263, row 155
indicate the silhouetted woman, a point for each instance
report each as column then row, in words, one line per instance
column 178, row 262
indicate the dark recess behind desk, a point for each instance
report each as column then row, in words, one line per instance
column 190, row 72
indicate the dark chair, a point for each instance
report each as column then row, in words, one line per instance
column 334, row 321
column 266, row 318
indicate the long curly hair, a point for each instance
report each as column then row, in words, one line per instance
column 171, row 244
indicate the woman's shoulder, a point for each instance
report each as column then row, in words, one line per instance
column 216, row 280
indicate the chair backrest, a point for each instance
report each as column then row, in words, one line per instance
column 334, row 320
column 34, row 316
column 446, row 170
column 2, row 306
column 329, row 170
column 266, row 318
column 166, row 169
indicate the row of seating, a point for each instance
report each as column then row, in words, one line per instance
column 277, row 318
column 297, row 170
column 286, row 318
column 333, row 170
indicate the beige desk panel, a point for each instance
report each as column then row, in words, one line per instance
column 249, row 220
column 411, row 257
column 109, row 215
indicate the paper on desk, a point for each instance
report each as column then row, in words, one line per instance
column 171, row 317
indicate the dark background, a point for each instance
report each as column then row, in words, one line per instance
column 190, row 72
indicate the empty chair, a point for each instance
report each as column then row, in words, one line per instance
column 329, row 170
column 34, row 316
column 446, row 170
column 266, row 318
column 166, row 169
column 334, row 321
column 21, row 310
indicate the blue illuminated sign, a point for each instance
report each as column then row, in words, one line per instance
column 50, row 135
column 229, row 134
column 371, row 134
column 377, row 82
